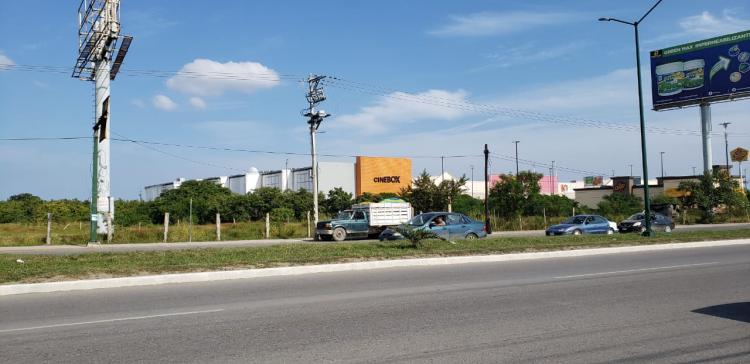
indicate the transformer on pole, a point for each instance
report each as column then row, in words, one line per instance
column 98, row 36
column 314, row 96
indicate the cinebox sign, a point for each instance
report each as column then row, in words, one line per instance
column 705, row 71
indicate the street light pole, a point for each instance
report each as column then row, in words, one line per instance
column 516, row 143
column 644, row 155
column 726, row 142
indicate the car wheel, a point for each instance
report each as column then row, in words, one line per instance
column 611, row 231
column 667, row 229
column 471, row 236
column 339, row 234
column 577, row 232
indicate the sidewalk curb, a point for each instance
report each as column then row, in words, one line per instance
column 15, row 289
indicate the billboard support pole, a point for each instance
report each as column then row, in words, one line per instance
column 706, row 136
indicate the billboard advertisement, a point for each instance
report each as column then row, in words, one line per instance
column 381, row 174
column 593, row 181
column 705, row 71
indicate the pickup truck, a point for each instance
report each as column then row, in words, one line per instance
column 363, row 221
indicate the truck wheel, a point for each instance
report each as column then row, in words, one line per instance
column 339, row 234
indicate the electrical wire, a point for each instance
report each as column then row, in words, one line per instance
column 360, row 87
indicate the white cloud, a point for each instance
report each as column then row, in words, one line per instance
column 492, row 23
column 705, row 25
column 399, row 107
column 164, row 103
column 197, row 102
column 5, row 61
column 138, row 103
column 530, row 53
column 204, row 77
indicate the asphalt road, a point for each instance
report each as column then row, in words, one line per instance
column 123, row 248
column 682, row 305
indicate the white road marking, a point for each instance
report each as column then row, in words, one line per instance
column 636, row 270
column 110, row 320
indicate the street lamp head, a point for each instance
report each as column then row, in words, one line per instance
column 604, row 19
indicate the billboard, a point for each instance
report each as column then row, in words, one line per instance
column 593, row 181
column 381, row 174
column 705, row 71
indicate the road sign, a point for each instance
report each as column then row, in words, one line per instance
column 738, row 154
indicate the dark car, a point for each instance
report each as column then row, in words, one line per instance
column 582, row 224
column 446, row 225
column 637, row 223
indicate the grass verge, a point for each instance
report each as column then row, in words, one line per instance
column 56, row 268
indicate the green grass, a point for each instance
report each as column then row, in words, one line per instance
column 78, row 233
column 45, row 268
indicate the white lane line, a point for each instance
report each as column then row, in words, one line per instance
column 635, row 270
column 110, row 320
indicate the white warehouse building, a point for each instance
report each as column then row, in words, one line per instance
column 330, row 175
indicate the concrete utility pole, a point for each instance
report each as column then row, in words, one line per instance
column 726, row 142
column 314, row 96
column 487, row 225
column 472, row 180
column 516, row 143
column 98, row 33
column 661, row 158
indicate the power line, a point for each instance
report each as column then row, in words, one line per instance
column 375, row 90
column 43, row 138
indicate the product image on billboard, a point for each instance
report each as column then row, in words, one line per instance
column 705, row 71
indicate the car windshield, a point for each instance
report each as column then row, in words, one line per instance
column 344, row 215
column 420, row 219
column 637, row 217
column 575, row 220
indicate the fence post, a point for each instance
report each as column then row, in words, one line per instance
column 520, row 223
column 49, row 228
column 166, row 226
column 268, row 226
column 308, row 224
column 218, row 227
column 544, row 213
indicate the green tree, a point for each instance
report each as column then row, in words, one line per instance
column 424, row 195
column 620, row 204
column 337, row 200
column 514, row 195
column 208, row 199
column 131, row 212
column 711, row 191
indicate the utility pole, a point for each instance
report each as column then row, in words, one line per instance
column 726, row 143
column 487, row 225
column 314, row 96
column 442, row 168
column 286, row 174
column 516, row 143
column 98, row 34
column 472, row 180
column 552, row 181
column 693, row 171
column 661, row 158
column 631, row 171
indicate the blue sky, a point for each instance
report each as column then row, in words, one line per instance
column 400, row 67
